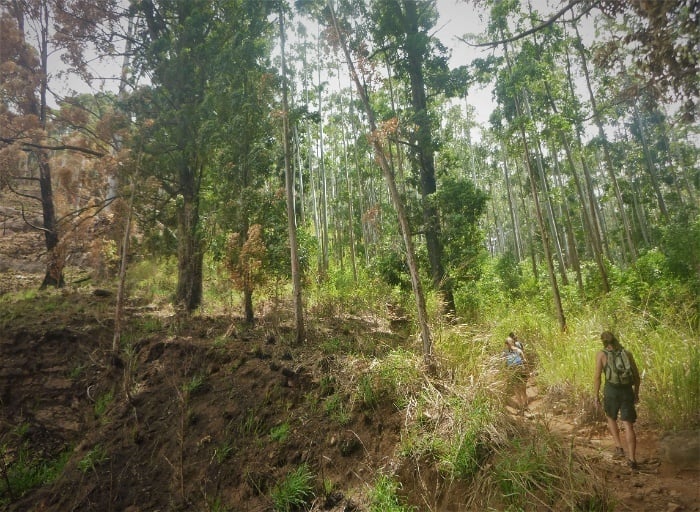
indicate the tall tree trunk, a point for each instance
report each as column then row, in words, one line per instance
column 190, row 253
column 425, row 154
column 651, row 167
column 572, row 248
column 289, row 188
column 588, row 211
column 597, row 118
column 322, row 168
column 348, row 184
column 380, row 155
column 512, row 207
column 538, row 210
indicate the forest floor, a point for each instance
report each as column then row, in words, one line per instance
column 184, row 420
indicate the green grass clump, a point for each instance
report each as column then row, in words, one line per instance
column 384, row 496
column 96, row 456
column 532, row 468
column 280, row 433
column 22, row 472
column 471, row 444
column 337, row 409
column 295, row 491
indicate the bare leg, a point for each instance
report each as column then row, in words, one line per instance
column 631, row 438
column 614, row 431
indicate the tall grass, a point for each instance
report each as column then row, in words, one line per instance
column 657, row 330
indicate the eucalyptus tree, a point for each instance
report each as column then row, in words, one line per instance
column 401, row 30
column 289, row 188
column 179, row 44
column 513, row 91
column 378, row 136
column 31, row 34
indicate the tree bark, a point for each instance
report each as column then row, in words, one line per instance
column 289, row 188
column 380, row 155
column 425, row 154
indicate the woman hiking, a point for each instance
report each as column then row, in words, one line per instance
column 620, row 393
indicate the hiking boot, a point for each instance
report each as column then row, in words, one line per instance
column 633, row 465
column 619, row 453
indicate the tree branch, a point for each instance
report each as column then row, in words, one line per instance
column 552, row 19
column 38, row 228
column 61, row 147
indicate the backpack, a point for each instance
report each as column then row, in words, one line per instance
column 513, row 358
column 618, row 369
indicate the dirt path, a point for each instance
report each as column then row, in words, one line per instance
column 668, row 479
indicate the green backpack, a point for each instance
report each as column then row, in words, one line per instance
column 618, row 369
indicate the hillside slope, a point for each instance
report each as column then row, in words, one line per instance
column 210, row 415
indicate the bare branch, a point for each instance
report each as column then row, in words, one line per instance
column 550, row 21
column 24, row 218
column 21, row 194
column 61, row 147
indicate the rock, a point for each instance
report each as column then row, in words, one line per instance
column 681, row 449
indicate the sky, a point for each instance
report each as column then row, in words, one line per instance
column 456, row 19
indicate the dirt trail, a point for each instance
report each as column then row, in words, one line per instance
column 664, row 482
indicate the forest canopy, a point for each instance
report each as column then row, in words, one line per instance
column 285, row 143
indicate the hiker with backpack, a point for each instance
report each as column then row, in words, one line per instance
column 515, row 363
column 620, row 393
column 516, row 341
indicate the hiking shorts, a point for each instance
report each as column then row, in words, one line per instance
column 619, row 399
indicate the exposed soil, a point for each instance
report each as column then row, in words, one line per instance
column 184, row 421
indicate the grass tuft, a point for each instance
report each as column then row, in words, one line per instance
column 295, row 491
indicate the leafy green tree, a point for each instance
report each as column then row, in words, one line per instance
column 462, row 206
column 402, row 30
column 182, row 45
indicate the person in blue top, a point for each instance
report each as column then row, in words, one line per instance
column 515, row 363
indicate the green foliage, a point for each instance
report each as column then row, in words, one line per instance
column 384, row 496
column 671, row 384
column 337, row 409
column 102, row 403
column 280, row 433
column 217, row 505
column 153, row 280
column 391, row 267
column 365, row 392
column 223, row 452
column 96, row 456
column 469, row 446
column 533, row 467
column 192, row 385
column 295, row 491
column 76, row 371
column 508, row 270
column 681, row 245
column 23, row 472
column 396, row 376
column 252, row 425
column 524, row 468
column 461, row 205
